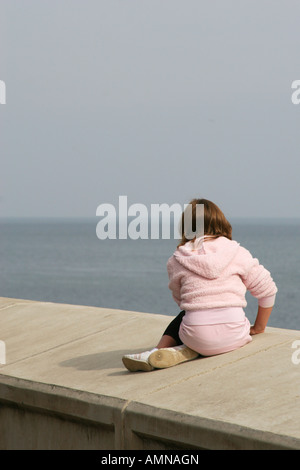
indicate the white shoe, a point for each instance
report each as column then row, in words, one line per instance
column 168, row 357
column 135, row 362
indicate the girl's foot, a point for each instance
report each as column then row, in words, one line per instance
column 136, row 362
column 168, row 357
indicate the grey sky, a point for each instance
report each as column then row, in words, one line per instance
column 159, row 100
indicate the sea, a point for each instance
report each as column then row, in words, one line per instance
column 63, row 260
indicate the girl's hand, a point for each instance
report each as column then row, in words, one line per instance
column 255, row 331
column 261, row 321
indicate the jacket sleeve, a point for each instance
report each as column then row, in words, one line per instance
column 174, row 279
column 256, row 278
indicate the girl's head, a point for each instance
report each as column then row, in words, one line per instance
column 215, row 222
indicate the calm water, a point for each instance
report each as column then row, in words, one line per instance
column 64, row 261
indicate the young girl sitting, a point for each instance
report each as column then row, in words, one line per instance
column 209, row 276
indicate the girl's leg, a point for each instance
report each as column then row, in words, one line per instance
column 170, row 349
column 169, row 339
column 166, row 341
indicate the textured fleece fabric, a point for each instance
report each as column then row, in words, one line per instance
column 216, row 273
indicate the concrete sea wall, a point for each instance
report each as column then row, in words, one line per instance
column 64, row 386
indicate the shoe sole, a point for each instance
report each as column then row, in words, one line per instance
column 134, row 365
column 164, row 358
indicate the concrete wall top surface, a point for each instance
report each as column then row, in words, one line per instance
column 77, row 350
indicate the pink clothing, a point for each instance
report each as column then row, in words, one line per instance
column 215, row 331
column 209, row 280
column 216, row 273
column 209, row 340
column 214, row 316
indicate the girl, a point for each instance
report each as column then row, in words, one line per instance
column 209, row 276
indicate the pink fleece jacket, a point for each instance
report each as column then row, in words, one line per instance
column 216, row 274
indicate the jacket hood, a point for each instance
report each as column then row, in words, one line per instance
column 207, row 258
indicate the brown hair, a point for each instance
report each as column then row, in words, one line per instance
column 215, row 222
